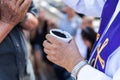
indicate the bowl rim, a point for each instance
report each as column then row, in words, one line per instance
column 69, row 37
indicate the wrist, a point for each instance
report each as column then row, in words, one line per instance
column 77, row 68
column 74, row 63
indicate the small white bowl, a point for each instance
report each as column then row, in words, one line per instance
column 69, row 37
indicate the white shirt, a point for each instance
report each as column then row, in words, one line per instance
column 80, row 44
column 69, row 26
column 94, row 8
column 88, row 7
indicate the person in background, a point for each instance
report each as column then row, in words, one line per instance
column 13, row 53
column 42, row 67
column 70, row 21
column 89, row 38
column 86, row 21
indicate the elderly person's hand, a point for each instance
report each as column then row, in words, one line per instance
column 13, row 11
column 61, row 53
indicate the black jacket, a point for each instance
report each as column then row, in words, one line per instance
column 12, row 54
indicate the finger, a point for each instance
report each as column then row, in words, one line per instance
column 25, row 5
column 14, row 1
column 19, row 3
column 47, row 51
column 51, row 58
column 53, row 39
column 11, row 2
column 47, row 45
column 7, row 4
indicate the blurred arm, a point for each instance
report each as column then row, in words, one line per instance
column 87, row 7
column 30, row 23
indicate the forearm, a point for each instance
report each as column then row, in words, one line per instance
column 5, row 29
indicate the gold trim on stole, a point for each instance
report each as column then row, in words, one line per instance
column 99, row 50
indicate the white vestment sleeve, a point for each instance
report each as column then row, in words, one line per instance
column 87, row 7
column 90, row 73
column 117, row 75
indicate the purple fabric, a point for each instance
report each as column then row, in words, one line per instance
column 108, row 11
column 113, row 34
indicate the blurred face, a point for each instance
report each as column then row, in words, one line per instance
column 69, row 11
column 87, row 43
column 86, row 22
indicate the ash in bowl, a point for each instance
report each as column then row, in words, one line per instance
column 59, row 34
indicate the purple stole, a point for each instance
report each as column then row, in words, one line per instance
column 108, row 43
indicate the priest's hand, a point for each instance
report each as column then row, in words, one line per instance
column 13, row 11
column 63, row 54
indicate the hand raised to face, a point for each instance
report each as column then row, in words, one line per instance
column 13, row 11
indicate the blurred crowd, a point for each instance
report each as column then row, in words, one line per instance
column 82, row 30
